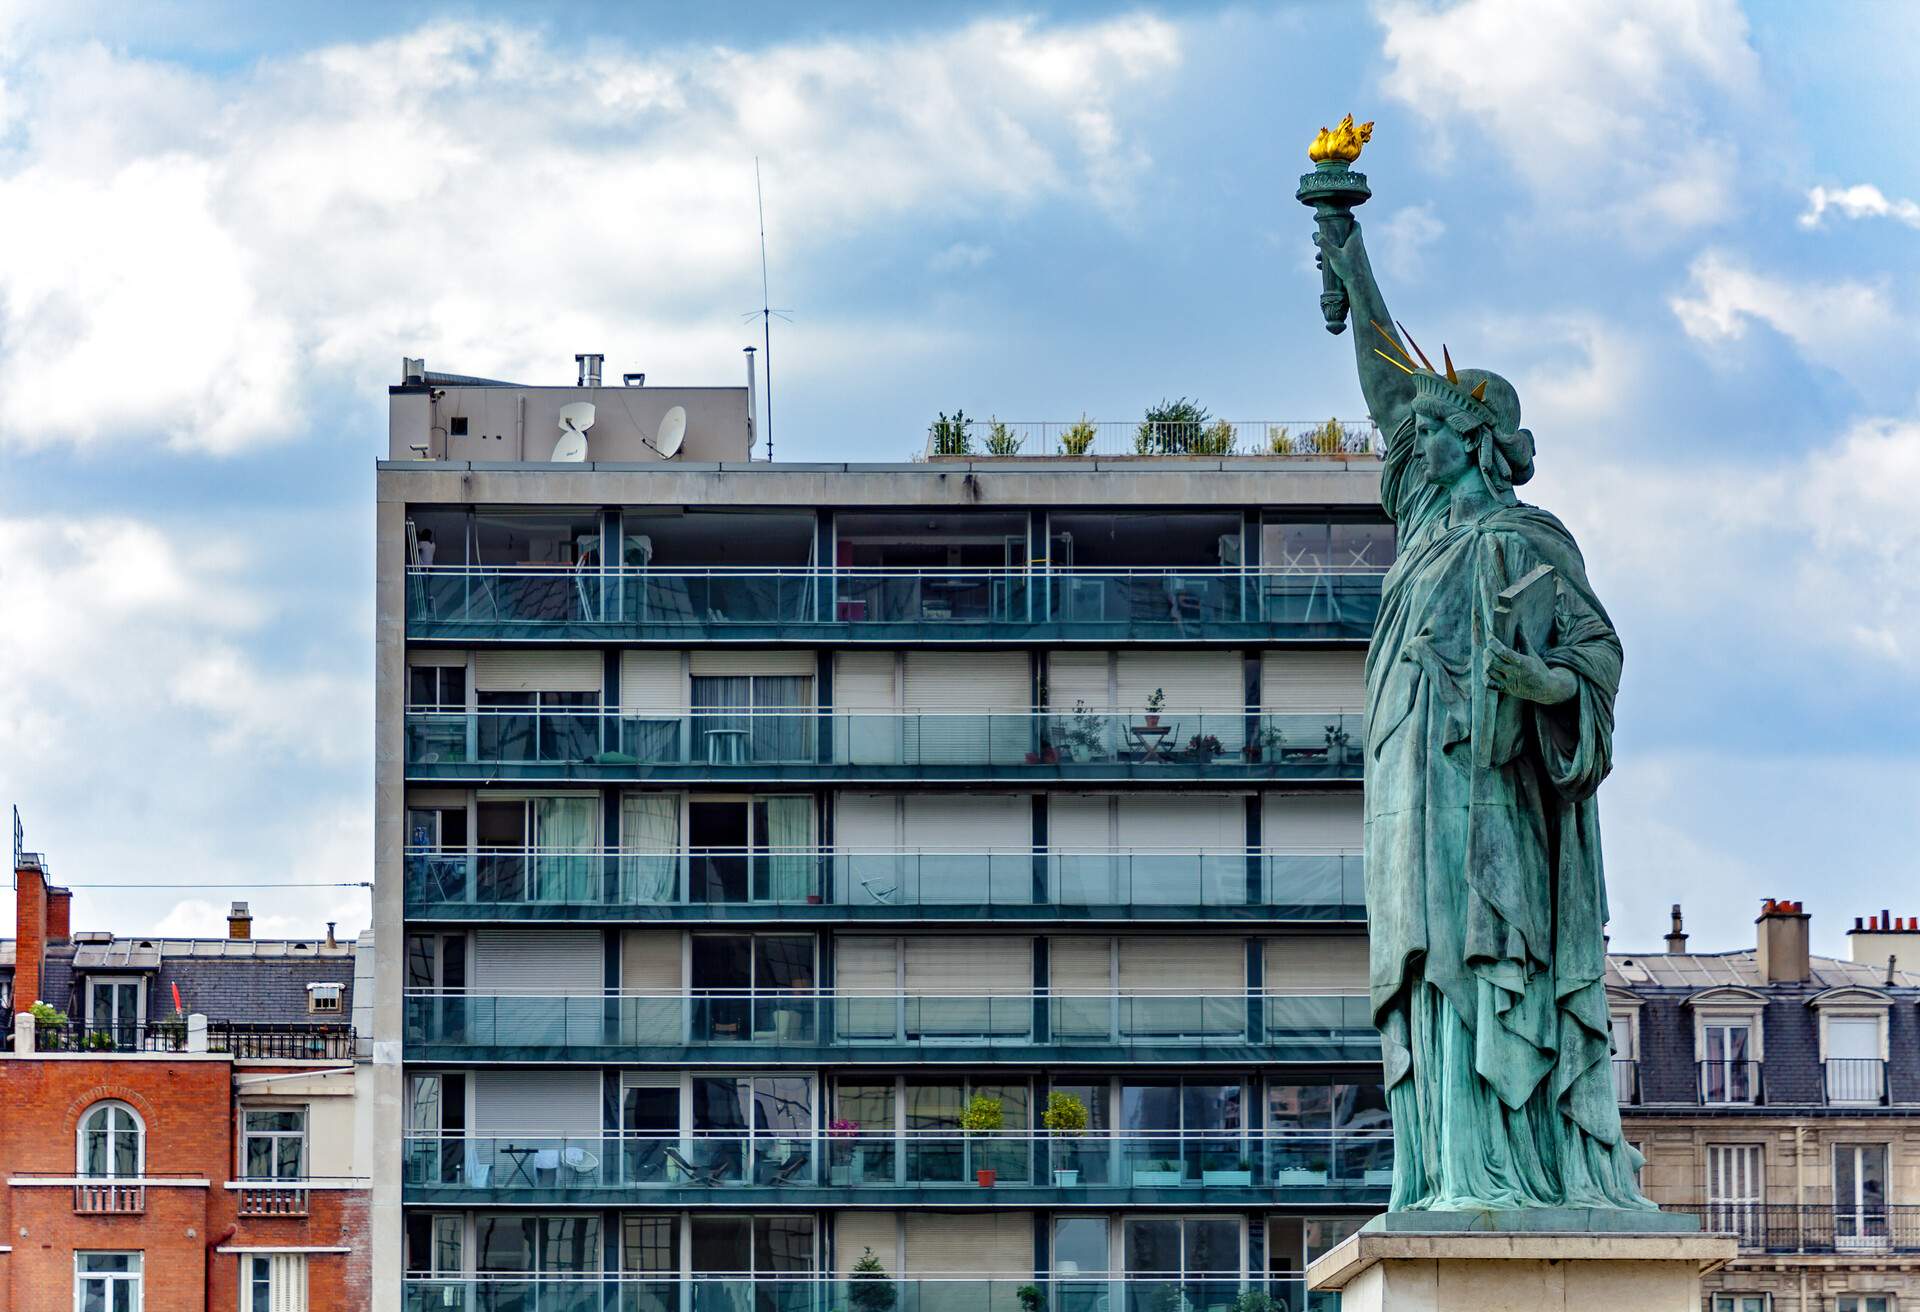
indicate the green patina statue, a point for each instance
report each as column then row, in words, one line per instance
column 1490, row 688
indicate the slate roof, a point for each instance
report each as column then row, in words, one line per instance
column 259, row 980
column 1703, row 970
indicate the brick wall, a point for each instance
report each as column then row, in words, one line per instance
column 29, row 934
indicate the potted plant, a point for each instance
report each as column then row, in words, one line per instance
column 1031, row 1299
column 1337, row 739
column 1085, row 737
column 1241, row 1174
column 1002, row 440
column 1203, row 747
column 1155, row 704
column 1066, row 1116
column 49, row 1022
column 868, row 1289
column 1078, row 439
column 983, row 1114
column 1171, row 428
column 1253, row 1300
column 848, row 1163
column 953, row 437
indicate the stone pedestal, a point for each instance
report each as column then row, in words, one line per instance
column 1392, row 1266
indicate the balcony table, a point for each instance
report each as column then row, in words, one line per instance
column 1151, row 737
column 727, row 746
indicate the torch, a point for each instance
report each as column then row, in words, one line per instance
column 1332, row 190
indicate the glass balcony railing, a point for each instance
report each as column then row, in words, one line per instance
column 880, row 882
column 1219, row 743
column 644, row 1292
column 716, row 1020
column 523, row 1167
column 485, row 600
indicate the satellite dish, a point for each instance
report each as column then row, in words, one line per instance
column 576, row 417
column 673, row 432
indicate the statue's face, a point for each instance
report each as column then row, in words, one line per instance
column 1442, row 451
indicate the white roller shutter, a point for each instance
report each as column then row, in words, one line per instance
column 549, row 1103
column 967, row 708
column 969, row 964
column 1080, row 822
column 856, row 1232
column 532, row 670
column 1327, row 822
column 1078, row 965
column 1206, row 693
column 864, row 696
column 866, row 838
column 866, row 964
column 968, row 822
column 715, row 660
column 1193, row 966
column 1319, row 964
column 650, row 961
column 1302, row 682
column 538, row 960
column 1078, row 676
column 977, row 1245
column 1187, row 822
column 866, row 821
column 435, row 658
column 653, row 682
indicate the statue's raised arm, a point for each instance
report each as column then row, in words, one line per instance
column 1387, row 386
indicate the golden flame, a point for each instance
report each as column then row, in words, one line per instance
column 1343, row 142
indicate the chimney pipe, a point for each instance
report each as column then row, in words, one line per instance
column 1782, row 947
column 1676, row 936
column 590, row 368
column 753, row 404
column 331, row 941
column 239, row 922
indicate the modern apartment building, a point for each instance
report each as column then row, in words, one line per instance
column 181, row 1120
column 1777, row 1093
column 932, row 884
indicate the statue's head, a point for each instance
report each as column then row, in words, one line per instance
column 1470, row 418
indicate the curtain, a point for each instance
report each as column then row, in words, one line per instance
column 789, row 835
column 564, row 835
column 649, row 825
column 720, row 738
column 786, row 735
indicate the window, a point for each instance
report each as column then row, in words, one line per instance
column 274, row 1143
column 323, row 999
column 434, row 1244
column 273, row 1282
column 1182, row 1247
column 1863, row 1303
column 115, row 1007
column 112, row 1142
column 539, row 1245
column 106, row 1282
column 1854, row 1070
column 755, row 1129
column 1736, row 1190
column 1860, row 1197
column 6, row 997
column 457, row 426
column 758, row 717
column 1080, row 1246
column 650, row 1245
column 1626, row 1080
column 1728, row 1066
column 440, row 688
column 1742, row 1303
column 752, row 986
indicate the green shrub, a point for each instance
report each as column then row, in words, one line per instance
column 1003, row 441
column 1216, row 439
column 983, row 1113
column 1078, row 439
column 1327, row 439
column 869, row 1290
column 1279, row 441
column 953, row 437
column 1171, row 428
column 1065, row 1114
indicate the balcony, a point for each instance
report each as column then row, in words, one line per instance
column 761, row 603
column 1626, row 1081
column 1004, row 1169
column 735, row 1027
column 894, row 884
column 317, row 1041
column 107, row 1197
column 828, row 745
column 636, row 1292
column 273, row 1198
column 1815, row 1229
column 1854, row 1081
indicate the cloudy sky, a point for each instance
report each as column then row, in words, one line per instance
column 1687, row 230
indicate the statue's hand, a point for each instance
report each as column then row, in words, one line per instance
column 1522, row 674
column 1340, row 256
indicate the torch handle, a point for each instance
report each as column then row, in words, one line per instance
column 1336, row 221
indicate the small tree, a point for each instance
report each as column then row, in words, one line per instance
column 983, row 1115
column 1078, row 439
column 870, row 1290
column 1328, row 439
column 1279, row 440
column 1171, row 428
column 953, row 437
column 1216, row 439
column 1031, row 1299
column 1002, row 440
column 1065, row 1114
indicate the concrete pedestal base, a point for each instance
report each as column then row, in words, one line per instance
column 1464, row 1271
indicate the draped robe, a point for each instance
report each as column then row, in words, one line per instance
column 1485, row 895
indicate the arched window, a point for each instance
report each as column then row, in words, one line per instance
column 112, row 1142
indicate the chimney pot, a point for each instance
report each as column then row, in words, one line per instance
column 1781, row 950
column 1676, row 935
column 331, row 942
column 239, row 922
column 590, row 363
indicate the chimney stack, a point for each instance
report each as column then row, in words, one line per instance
column 1676, row 936
column 239, row 921
column 30, row 929
column 59, row 914
column 1782, row 947
column 331, row 941
column 590, row 368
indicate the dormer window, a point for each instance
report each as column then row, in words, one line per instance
column 1853, row 1045
column 117, row 1008
column 324, row 999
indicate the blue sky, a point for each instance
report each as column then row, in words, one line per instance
column 1685, row 229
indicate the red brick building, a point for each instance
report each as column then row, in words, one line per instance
column 177, row 1156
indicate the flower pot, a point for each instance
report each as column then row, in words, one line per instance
column 813, row 899
column 1153, row 722
column 985, row 1175
column 1066, row 1179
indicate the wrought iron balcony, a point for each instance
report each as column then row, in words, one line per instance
column 821, row 1026
column 805, row 743
column 1837, row 1228
column 880, row 884
column 1732, row 1082
column 904, row 1166
column 1626, row 1081
column 597, row 1291
column 1303, row 600
column 1855, row 1081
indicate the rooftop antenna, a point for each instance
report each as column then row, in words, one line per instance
column 766, row 313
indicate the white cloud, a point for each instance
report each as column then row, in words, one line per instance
column 195, row 254
column 1405, row 237
column 1614, row 110
column 1847, row 326
column 1861, row 201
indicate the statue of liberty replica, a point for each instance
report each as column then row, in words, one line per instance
column 1490, row 687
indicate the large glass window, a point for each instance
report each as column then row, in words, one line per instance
column 434, row 1244
column 741, row 718
column 650, row 1245
column 274, row 1143
column 755, row 986
column 1860, row 1195
column 113, row 1009
column 537, row 1245
column 754, row 1126
column 112, row 1142
column 106, row 1282
column 1727, row 1071
column 770, row 1250
column 1333, row 1131
column 439, row 688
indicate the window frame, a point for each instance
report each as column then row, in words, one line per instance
column 108, row 1106
column 247, row 1135
column 118, row 1024
column 256, row 1278
column 137, row 1277
column 1733, row 1300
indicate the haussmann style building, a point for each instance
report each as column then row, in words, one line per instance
column 931, row 885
